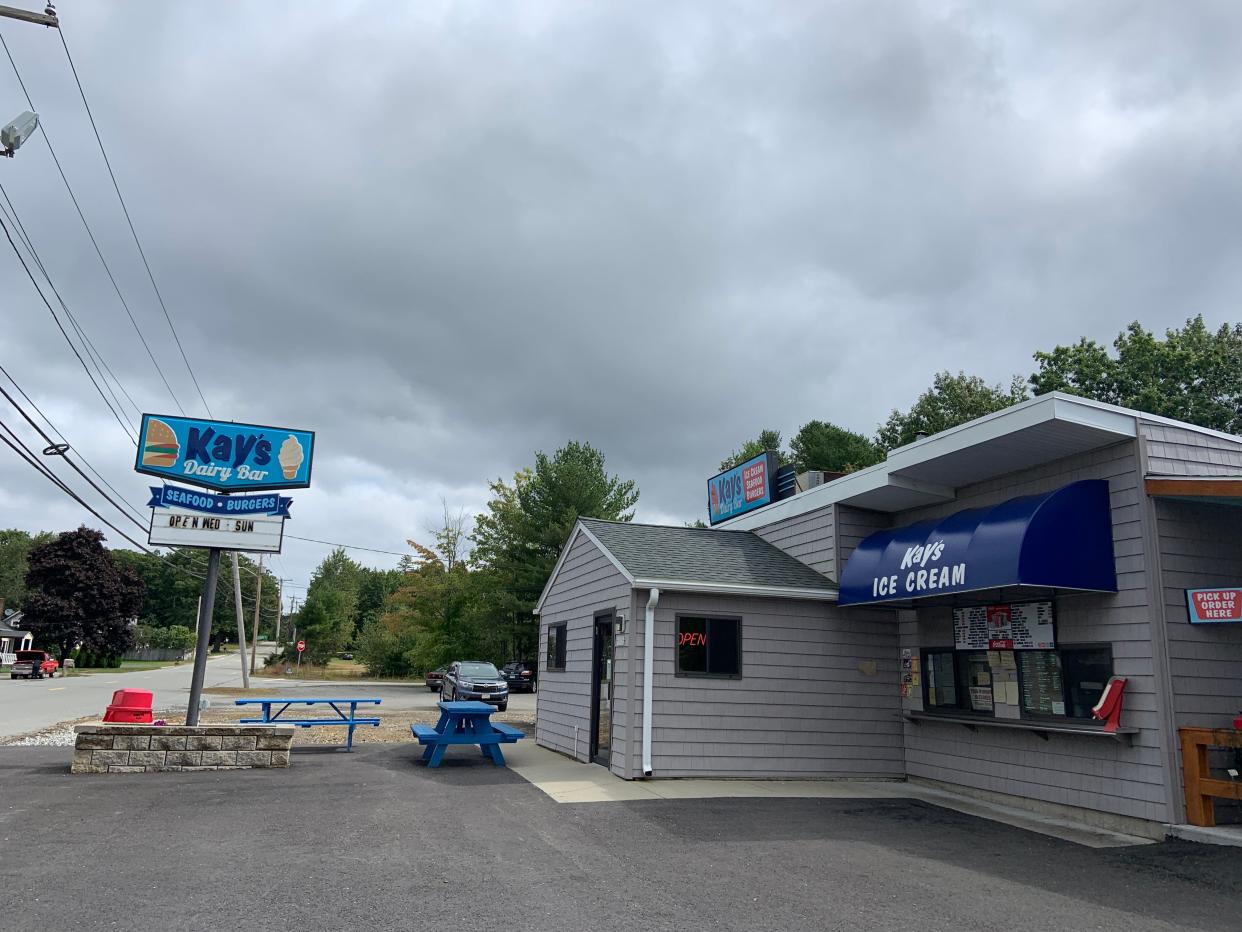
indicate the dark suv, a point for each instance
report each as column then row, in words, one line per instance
column 521, row 675
column 477, row 680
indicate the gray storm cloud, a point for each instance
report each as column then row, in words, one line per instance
column 447, row 235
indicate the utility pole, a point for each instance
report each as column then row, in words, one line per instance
column 241, row 622
column 46, row 18
column 206, row 607
column 280, row 605
column 258, row 595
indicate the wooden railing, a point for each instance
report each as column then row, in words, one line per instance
column 1202, row 788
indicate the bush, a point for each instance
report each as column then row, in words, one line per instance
column 174, row 637
column 84, row 657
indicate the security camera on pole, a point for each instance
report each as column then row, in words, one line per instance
column 228, row 458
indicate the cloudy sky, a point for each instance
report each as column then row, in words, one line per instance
column 446, row 235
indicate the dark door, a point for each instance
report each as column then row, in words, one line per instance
column 601, row 692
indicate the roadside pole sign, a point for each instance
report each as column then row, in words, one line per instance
column 227, row 457
column 223, row 455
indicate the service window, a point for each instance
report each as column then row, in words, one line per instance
column 1062, row 683
column 709, row 646
column 556, row 647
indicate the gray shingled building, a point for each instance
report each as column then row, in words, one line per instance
column 951, row 615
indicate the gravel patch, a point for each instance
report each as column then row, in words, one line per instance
column 58, row 736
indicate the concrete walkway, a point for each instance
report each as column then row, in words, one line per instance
column 569, row 781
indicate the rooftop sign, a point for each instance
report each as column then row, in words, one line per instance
column 224, row 456
column 741, row 489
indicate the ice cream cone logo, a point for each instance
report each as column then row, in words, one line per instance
column 290, row 457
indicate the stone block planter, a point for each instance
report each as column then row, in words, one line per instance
column 104, row 748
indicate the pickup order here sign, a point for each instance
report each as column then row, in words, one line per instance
column 1214, row 606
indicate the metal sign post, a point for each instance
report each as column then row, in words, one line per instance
column 206, row 608
column 241, row 623
column 301, row 647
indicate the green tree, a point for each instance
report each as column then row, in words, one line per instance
column 952, row 400
column 767, row 440
column 338, row 573
column 15, row 547
column 174, row 583
column 78, row 594
column 326, row 624
column 437, row 611
column 822, row 445
column 1194, row 374
column 517, row 541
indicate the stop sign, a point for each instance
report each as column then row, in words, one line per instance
column 301, row 646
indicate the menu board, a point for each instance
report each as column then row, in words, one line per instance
column 1042, row 690
column 1021, row 626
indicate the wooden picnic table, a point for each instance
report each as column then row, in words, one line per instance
column 465, row 723
column 335, row 703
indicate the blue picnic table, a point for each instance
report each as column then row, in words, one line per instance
column 465, row 723
column 336, row 704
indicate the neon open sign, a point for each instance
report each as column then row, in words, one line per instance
column 692, row 639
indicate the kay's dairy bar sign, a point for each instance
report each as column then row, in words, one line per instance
column 225, row 456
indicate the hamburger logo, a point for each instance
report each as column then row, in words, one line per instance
column 161, row 447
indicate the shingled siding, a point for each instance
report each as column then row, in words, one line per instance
column 587, row 583
column 1201, row 547
column 1177, row 451
column 1089, row 772
column 810, row 537
column 818, row 694
column 854, row 525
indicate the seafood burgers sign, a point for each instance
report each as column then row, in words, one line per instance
column 224, row 456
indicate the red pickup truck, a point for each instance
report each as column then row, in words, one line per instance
column 34, row 664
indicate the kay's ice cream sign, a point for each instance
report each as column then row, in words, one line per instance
column 224, row 456
column 920, row 573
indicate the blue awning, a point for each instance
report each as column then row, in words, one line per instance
column 1059, row 540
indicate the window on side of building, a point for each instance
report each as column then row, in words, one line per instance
column 1063, row 683
column 709, row 646
column 940, row 678
column 556, row 647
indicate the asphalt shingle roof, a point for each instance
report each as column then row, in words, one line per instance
column 651, row 551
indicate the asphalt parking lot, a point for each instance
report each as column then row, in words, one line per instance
column 375, row 840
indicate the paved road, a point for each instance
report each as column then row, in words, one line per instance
column 373, row 840
column 28, row 705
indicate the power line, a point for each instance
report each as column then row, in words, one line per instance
column 65, row 440
column 91, row 348
column 333, row 543
column 128, row 220
column 29, row 457
column 90, row 233
column 125, row 427
column 92, row 351
column 65, row 456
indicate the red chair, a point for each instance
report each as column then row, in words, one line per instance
column 130, row 707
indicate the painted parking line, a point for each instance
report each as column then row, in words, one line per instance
column 53, row 689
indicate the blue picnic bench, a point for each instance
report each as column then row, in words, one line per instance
column 336, row 704
column 465, row 723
